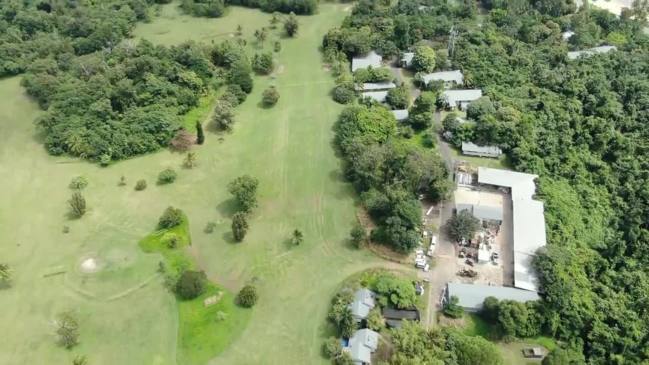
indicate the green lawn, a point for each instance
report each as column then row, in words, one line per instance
column 126, row 315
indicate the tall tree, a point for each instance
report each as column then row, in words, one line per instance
column 67, row 330
column 200, row 135
column 77, row 205
column 244, row 190
column 291, row 25
column 239, row 226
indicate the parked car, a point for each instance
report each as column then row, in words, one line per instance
column 420, row 263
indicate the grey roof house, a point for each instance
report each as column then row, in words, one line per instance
column 361, row 346
column 378, row 96
column 362, row 304
column 472, row 296
column 591, row 51
column 406, row 59
column 449, row 78
column 472, row 149
column 400, row 115
column 373, row 86
column 461, row 98
column 371, row 59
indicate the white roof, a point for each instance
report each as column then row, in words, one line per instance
column 407, row 57
column 371, row 59
column 377, row 86
column 400, row 114
column 362, row 304
column 446, row 76
column 454, row 97
column 591, row 51
column 472, row 148
column 379, row 96
column 472, row 296
column 567, row 34
column 362, row 344
column 528, row 221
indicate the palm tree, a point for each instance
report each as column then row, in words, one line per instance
column 298, row 237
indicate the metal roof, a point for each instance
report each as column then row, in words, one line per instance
column 472, row 148
column 446, row 76
column 528, row 221
column 471, row 296
column 454, row 97
column 362, row 304
column 362, row 344
column 407, row 58
column 591, row 51
column 377, row 86
column 371, row 59
column 400, row 114
column 379, row 96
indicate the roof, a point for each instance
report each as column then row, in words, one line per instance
column 446, row 76
column 407, row 57
column 401, row 314
column 379, row 96
column 471, row 296
column 377, row 86
column 528, row 221
column 472, row 148
column 362, row 344
column 454, row 97
column 400, row 114
column 371, row 59
column 567, row 34
column 591, row 51
column 363, row 303
column 487, row 212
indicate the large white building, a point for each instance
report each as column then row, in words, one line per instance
column 528, row 221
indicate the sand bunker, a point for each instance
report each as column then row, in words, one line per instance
column 89, row 265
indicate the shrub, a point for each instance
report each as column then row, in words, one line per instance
column 375, row 320
column 424, row 59
column 247, row 296
column 244, row 190
column 277, row 46
column 262, row 63
column 171, row 217
column 332, row 348
column 398, row 97
column 239, row 226
column 182, row 141
column 343, row 94
column 140, row 185
column 291, row 25
column 78, row 183
column 171, row 240
column 357, row 236
column 167, row 176
column 462, row 226
column 122, row 181
column 270, row 96
column 77, row 205
column 209, row 227
column 452, row 309
column 67, row 330
column 104, row 160
column 191, row 284
column 236, row 91
column 200, row 134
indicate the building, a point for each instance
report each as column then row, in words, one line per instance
column 372, row 59
column 406, row 59
column 374, row 86
column 472, row 149
column 394, row 317
column 528, row 220
column 361, row 346
column 485, row 206
column 591, row 51
column 363, row 303
column 472, row 296
column 400, row 115
column 567, row 35
column 378, row 96
column 449, row 78
column 461, row 98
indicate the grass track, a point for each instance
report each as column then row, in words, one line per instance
column 288, row 148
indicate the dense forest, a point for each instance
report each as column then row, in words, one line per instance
column 581, row 124
column 106, row 97
column 216, row 8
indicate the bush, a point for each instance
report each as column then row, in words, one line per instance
column 398, row 97
column 343, row 94
column 396, row 291
column 171, row 240
column 77, row 205
column 171, row 217
column 462, row 226
column 357, row 236
column 235, row 91
column 270, row 96
column 375, row 320
column 247, row 296
column 291, row 25
column 452, row 309
column 262, row 63
column 191, row 284
column 332, row 348
column 239, row 226
column 78, row 183
column 244, row 190
column 140, row 185
column 182, row 141
column 277, row 46
column 67, row 330
column 167, row 176
column 424, row 59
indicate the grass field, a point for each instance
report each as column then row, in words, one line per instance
column 126, row 315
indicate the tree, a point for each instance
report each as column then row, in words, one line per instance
column 261, row 35
column 122, row 181
column 270, row 96
column 452, row 309
column 182, row 141
column 332, row 348
column 200, row 135
column 5, row 273
column 223, row 115
column 239, row 226
column 190, row 160
column 167, row 176
column 240, row 75
column 395, row 291
column 344, row 359
column 170, row 218
column 247, row 296
column 67, row 330
column 78, row 183
column 357, row 236
column 297, row 237
column 375, row 320
column 424, row 59
column 262, row 63
column 561, row 356
column 191, row 284
column 291, row 25
column 398, row 97
column 462, row 226
column 77, row 205
column 471, row 350
column 140, row 185
column 640, row 9
column 244, row 190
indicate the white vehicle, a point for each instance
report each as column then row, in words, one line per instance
column 431, row 250
column 433, row 240
column 426, row 268
column 420, row 263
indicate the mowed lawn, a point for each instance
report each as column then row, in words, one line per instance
column 126, row 315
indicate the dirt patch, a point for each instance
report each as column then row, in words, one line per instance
column 90, row 265
column 210, row 301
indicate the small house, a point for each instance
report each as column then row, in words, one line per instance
column 472, row 149
column 394, row 317
column 406, row 59
column 364, row 302
column 376, row 86
column 461, row 98
column 372, row 59
column 591, row 51
column 361, row 346
column 449, row 78
column 378, row 96
column 400, row 115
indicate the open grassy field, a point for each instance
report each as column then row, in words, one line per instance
column 126, row 315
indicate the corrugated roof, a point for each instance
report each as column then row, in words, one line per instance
column 472, row 148
column 379, row 96
column 446, row 76
column 591, row 51
column 362, row 344
column 400, row 114
column 377, row 86
column 454, row 97
column 528, row 221
column 471, row 296
column 407, row 57
column 362, row 304
column 371, row 59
